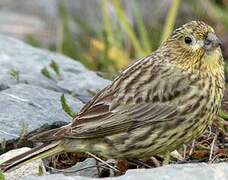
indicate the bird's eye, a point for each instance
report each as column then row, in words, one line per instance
column 188, row 40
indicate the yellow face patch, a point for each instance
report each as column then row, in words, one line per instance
column 210, row 61
column 188, row 44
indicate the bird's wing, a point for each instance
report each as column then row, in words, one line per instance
column 127, row 119
column 141, row 95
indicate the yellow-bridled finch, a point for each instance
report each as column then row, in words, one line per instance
column 155, row 105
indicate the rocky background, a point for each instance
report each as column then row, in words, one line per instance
column 32, row 80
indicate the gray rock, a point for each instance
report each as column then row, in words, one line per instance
column 29, row 107
column 16, row 56
column 28, row 97
column 86, row 168
column 31, row 168
column 170, row 172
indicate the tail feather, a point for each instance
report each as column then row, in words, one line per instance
column 39, row 152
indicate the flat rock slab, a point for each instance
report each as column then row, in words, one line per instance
column 28, row 62
column 171, row 172
column 26, row 108
column 86, row 168
column 31, row 168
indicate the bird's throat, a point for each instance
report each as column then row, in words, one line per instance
column 212, row 62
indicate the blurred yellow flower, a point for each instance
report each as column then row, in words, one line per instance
column 120, row 58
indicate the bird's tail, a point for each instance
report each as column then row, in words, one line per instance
column 39, row 152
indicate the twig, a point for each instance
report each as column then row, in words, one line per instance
column 140, row 162
column 210, row 131
column 212, row 147
column 99, row 159
column 192, row 147
column 214, row 158
column 184, row 151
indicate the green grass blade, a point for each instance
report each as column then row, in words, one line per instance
column 142, row 30
column 107, row 22
column 55, row 67
column 46, row 73
column 2, row 177
column 67, row 43
column 85, row 26
column 223, row 114
column 67, row 107
column 127, row 27
column 170, row 20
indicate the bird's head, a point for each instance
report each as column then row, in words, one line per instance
column 195, row 46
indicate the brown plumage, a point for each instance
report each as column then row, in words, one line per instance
column 160, row 102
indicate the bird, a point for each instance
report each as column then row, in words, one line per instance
column 154, row 106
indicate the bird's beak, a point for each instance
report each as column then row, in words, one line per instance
column 211, row 42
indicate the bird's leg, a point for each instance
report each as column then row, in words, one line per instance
column 166, row 158
column 140, row 162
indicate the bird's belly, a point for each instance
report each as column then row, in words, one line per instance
column 161, row 137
